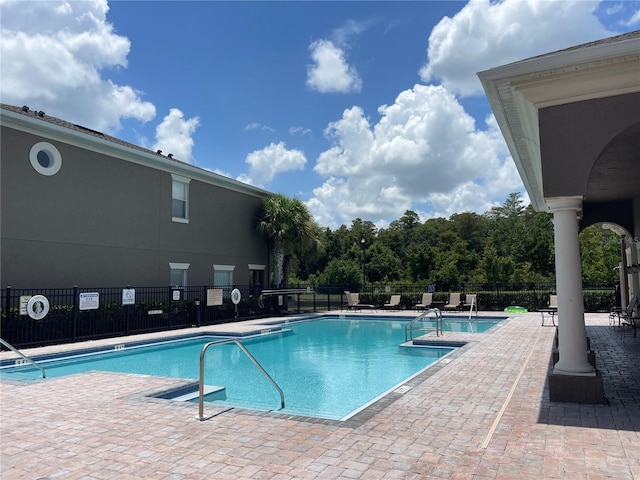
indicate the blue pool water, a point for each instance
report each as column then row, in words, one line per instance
column 328, row 368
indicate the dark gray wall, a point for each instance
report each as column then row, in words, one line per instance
column 103, row 221
column 573, row 135
column 592, row 149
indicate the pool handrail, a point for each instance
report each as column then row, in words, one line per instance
column 251, row 357
column 282, row 291
column 408, row 329
column 473, row 304
column 28, row 359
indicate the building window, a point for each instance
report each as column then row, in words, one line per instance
column 45, row 158
column 256, row 278
column 223, row 275
column 178, row 275
column 180, row 198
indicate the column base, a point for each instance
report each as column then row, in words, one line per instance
column 591, row 357
column 577, row 388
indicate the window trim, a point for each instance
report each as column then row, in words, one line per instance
column 179, row 266
column 223, row 268
column 185, row 181
column 53, row 154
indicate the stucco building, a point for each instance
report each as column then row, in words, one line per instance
column 79, row 207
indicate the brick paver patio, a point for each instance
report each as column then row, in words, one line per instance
column 484, row 414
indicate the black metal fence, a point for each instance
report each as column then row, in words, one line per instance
column 78, row 314
column 490, row 296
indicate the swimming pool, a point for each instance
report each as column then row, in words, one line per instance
column 327, row 368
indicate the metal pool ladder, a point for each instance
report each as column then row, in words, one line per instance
column 251, row 357
column 411, row 327
column 27, row 359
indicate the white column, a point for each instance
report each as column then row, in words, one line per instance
column 572, row 333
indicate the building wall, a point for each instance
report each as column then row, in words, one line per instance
column 574, row 134
column 104, row 221
column 583, row 144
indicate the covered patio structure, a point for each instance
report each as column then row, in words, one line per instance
column 571, row 120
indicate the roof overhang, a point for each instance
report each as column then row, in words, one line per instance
column 518, row 90
column 36, row 126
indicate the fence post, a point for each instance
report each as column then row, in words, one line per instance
column 170, row 303
column 7, row 308
column 76, row 307
column 329, row 294
column 126, row 314
column 196, row 304
column 201, row 308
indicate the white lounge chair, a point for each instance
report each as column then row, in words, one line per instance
column 353, row 302
column 426, row 302
column 394, row 302
column 454, row 302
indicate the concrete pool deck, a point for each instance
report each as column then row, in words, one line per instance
column 485, row 414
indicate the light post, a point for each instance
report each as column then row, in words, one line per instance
column 363, row 244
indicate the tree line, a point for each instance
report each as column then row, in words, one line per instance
column 510, row 244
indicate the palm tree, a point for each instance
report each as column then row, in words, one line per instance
column 290, row 228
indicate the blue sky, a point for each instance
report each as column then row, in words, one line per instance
column 359, row 109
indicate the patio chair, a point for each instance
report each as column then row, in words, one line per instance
column 394, row 302
column 615, row 313
column 454, row 302
column 426, row 302
column 350, row 301
column 551, row 310
column 353, row 302
column 627, row 319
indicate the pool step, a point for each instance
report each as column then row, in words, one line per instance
column 427, row 342
column 191, row 392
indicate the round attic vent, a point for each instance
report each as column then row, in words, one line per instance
column 45, row 158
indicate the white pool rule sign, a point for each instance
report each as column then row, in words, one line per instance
column 89, row 300
column 128, row 296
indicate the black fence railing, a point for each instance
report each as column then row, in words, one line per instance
column 78, row 313
column 490, row 296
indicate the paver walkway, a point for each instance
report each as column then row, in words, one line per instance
column 483, row 415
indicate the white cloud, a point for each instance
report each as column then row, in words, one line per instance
column 258, row 126
column 353, row 141
column 612, row 10
column 174, row 135
column 486, row 34
column 425, row 153
column 342, row 35
column 299, row 131
column 634, row 20
column 52, row 58
column 265, row 164
column 330, row 71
